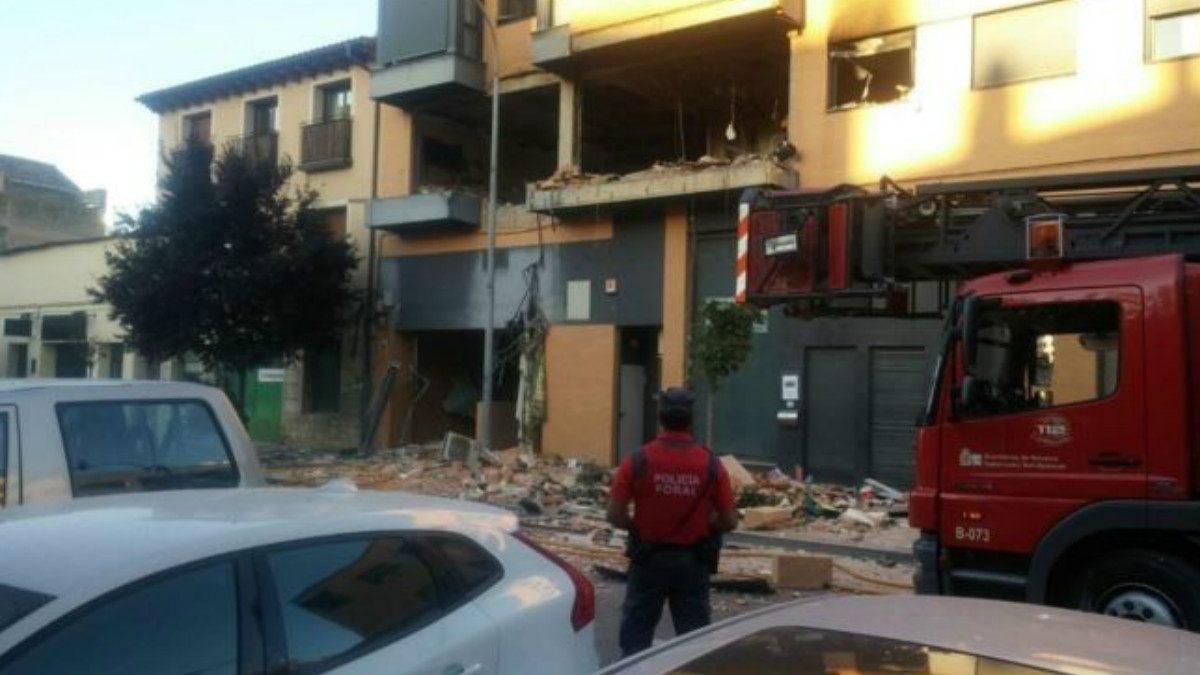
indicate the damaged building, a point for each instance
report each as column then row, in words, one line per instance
column 634, row 127
column 628, row 132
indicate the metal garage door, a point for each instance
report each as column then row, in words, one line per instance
column 897, row 397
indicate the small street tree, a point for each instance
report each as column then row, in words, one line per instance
column 722, row 339
column 232, row 264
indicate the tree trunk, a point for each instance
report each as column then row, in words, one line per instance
column 709, row 416
column 243, row 375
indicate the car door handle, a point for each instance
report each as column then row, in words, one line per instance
column 1114, row 460
column 460, row 669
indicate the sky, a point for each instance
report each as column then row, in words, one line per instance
column 71, row 69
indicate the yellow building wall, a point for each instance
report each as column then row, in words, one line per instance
column 1116, row 112
column 349, row 187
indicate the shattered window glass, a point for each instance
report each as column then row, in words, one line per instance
column 876, row 69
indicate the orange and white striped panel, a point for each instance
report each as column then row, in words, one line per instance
column 743, row 250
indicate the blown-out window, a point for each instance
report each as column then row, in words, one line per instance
column 877, row 69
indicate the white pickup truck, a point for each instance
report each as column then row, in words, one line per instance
column 64, row 439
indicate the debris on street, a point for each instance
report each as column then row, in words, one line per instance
column 562, row 503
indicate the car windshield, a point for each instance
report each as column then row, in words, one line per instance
column 144, row 445
column 16, row 603
column 795, row 650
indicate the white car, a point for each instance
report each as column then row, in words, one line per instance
column 920, row 635
column 63, row 439
column 250, row 581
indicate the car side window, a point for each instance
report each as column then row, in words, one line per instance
column 343, row 598
column 184, row 624
column 475, row 568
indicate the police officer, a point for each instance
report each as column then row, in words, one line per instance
column 682, row 501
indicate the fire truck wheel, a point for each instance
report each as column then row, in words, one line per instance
column 1142, row 585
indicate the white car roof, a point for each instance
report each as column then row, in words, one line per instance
column 1056, row 640
column 83, row 548
column 66, row 386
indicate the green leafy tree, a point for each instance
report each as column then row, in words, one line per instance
column 232, row 264
column 722, row 339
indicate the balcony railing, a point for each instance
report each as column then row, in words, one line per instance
column 260, row 147
column 325, row 145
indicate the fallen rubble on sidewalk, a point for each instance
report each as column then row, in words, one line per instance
column 570, row 496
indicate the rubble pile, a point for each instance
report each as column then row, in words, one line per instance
column 571, row 176
column 563, row 503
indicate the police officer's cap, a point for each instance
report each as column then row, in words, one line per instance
column 676, row 398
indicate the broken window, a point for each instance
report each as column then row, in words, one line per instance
column 876, row 69
column 1174, row 36
column 1025, row 43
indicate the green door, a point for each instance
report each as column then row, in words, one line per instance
column 264, row 403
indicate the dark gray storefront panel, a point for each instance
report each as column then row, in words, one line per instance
column 898, row 380
column 831, row 434
column 448, row 291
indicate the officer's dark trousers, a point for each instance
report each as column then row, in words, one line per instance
column 676, row 577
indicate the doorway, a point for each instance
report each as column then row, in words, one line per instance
column 830, row 434
column 636, row 416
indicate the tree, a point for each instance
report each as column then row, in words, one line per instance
column 232, row 264
column 722, row 339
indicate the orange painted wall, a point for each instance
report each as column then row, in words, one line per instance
column 676, row 314
column 581, row 390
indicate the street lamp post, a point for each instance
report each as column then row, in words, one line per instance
column 489, row 331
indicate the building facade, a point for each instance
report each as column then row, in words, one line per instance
column 628, row 131
column 52, row 328
column 312, row 109
column 40, row 205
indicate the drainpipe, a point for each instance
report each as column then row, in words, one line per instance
column 489, row 331
column 369, row 315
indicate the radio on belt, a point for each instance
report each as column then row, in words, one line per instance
column 789, row 414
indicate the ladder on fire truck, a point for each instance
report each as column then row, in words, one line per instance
column 849, row 250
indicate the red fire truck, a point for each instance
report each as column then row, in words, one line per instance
column 1058, row 458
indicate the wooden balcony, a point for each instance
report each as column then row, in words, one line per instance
column 326, row 145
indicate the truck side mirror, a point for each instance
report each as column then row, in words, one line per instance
column 970, row 393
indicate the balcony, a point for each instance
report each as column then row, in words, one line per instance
column 325, row 145
column 575, row 35
column 260, row 148
column 429, row 212
column 428, row 50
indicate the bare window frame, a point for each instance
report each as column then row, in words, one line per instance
column 831, row 81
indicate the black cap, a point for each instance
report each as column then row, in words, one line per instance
column 676, row 398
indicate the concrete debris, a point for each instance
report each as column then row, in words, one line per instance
column 571, row 495
column 739, row 476
column 571, row 175
column 766, row 517
column 803, row 572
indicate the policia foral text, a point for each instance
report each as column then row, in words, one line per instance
column 682, row 504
